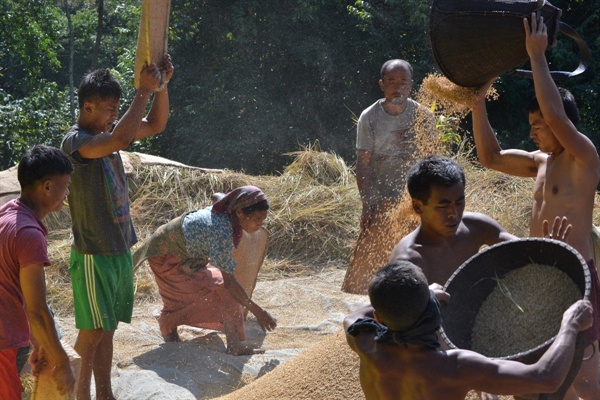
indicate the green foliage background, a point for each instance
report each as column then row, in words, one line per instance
column 254, row 79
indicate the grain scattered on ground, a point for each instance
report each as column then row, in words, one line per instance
column 325, row 371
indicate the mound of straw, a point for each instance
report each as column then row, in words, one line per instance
column 313, row 221
column 318, row 166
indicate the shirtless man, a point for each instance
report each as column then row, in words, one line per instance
column 447, row 236
column 566, row 169
column 395, row 339
column 436, row 185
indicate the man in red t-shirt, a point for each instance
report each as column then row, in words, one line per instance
column 44, row 174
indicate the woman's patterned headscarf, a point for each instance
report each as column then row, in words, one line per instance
column 241, row 197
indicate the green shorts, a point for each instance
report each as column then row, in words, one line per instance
column 102, row 290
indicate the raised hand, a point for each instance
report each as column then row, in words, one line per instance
column 536, row 35
column 560, row 229
column 166, row 67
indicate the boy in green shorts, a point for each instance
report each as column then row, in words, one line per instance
column 101, row 267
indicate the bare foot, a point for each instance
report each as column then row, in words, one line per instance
column 242, row 349
column 172, row 337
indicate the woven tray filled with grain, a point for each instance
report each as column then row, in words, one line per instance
column 508, row 300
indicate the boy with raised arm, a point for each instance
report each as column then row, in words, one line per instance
column 101, row 266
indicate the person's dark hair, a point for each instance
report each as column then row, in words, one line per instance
column 399, row 294
column 42, row 162
column 390, row 64
column 260, row 206
column 98, row 85
column 433, row 170
column 569, row 104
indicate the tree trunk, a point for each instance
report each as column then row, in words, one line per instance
column 71, row 61
column 99, row 31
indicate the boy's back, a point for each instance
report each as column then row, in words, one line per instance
column 389, row 371
column 395, row 338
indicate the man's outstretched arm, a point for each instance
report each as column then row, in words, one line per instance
column 491, row 155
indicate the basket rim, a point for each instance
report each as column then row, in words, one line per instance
column 547, row 343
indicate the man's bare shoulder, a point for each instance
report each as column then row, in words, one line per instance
column 585, row 158
column 583, row 150
column 407, row 249
column 485, row 228
column 477, row 221
column 412, row 369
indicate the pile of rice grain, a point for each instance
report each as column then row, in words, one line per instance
column 523, row 311
column 328, row 370
column 325, row 371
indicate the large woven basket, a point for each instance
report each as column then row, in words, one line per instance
column 476, row 278
column 474, row 41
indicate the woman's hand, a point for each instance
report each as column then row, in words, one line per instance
column 266, row 322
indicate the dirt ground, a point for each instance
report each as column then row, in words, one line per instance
column 309, row 311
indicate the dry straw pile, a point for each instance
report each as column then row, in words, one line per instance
column 312, row 222
column 315, row 209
